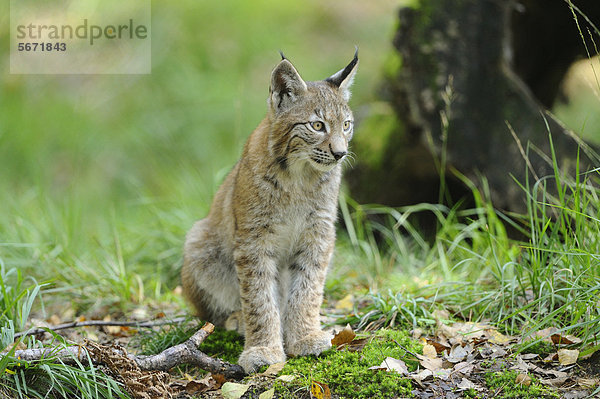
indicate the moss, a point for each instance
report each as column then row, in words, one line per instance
column 542, row 348
column 227, row 345
column 347, row 373
column 504, row 383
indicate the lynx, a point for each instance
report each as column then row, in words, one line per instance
column 258, row 261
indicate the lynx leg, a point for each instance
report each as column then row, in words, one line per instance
column 302, row 325
column 258, row 291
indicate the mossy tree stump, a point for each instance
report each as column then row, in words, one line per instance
column 457, row 97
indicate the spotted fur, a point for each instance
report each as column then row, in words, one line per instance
column 258, row 261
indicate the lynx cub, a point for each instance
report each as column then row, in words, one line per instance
column 261, row 255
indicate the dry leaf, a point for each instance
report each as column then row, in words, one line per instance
column 429, row 351
column 498, row 338
column 231, row 390
column 355, row 346
column 422, row 376
column 464, row 367
column 457, row 354
column 267, row 394
column 546, row 333
column 588, row 382
column 195, row 387
column 439, row 346
column 320, row 390
column 273, row 369
column 560, row 339
column 567, row 356
column 416, row 333
column 346, row 304
column 523, row 379
column 430, row 364
column 465, row 385
column 555, row 382
column 286, row 378
column 343, row 337
column 391, row 364
column 552, row 357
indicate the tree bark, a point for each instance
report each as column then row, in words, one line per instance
column 461, row 106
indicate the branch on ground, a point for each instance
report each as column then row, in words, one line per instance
column 185, row 353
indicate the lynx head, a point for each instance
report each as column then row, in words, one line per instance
column 311, row 123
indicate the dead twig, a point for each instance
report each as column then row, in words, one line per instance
column 185, row 353
column 102, row 323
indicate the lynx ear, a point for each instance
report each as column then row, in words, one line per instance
column 286, row 85
column 344, row 78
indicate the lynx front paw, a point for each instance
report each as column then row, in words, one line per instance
column 312, row 344
column 254, row 357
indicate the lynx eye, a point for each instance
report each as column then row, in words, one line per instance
column 347, row 125
column 318, row 126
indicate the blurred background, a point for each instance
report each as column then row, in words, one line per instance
column 102, row 175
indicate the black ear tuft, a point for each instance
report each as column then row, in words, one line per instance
column 340, row 76
column 282, row 55
column 343, row 79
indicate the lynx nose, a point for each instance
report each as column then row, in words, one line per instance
column 337, row 154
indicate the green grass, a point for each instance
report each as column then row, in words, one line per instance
column 550, row 277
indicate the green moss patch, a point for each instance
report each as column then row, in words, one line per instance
column 505, row 386
column 347, row 373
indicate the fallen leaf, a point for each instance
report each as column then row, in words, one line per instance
column 422, row 376
column 498, row 338
column 464, row 367
column 462, row 332
column 546, row 333
column 439, row 346
column 343, row 337
column 219, row 379
column 457, row 354
column 267, row 394
column 559, row 339
column 273, row 369
column 320, row 390
column 529, row 356
column 552, row 357
column 195, row 387
column 523, row 379
column 465, row 385
column 355, row 346
column 429, row 363
column 232, row 390
column 286, row 378
column 391, row 364
column 442, row 374
column 429, row 351
column 555, row 382
column 567, row 356
column 346, row 304
column 417, row 333
column 588, row 382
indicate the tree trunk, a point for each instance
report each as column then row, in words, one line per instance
column 461, row 106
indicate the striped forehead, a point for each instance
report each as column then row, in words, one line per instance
column 327, row 102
